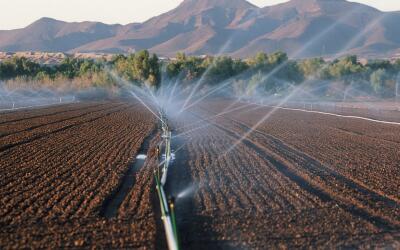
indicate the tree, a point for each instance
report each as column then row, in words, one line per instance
column 146, row 69
column 220, row 69
column 174, row 69
column 194, row 67
column 380, row 64
column 259, row 60
column 117, row 58
column 122, row 65
column 7, row 70
column 224, row 67
column 184, row 67
column 311, row 68
column 154, row 77
column 377, row 80
column 140, row 68
column 239, row 66
column 70, row 67
column 277, row 58
column 347, row 69
column 85, row 67
column 141, row 65
column 181, row 57
column 290, row 72
column 19, row 66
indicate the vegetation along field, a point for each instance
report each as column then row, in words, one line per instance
column 264, row 152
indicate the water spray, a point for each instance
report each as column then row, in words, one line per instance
column 368, row 27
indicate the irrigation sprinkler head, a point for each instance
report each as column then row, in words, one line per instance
column 171, row 201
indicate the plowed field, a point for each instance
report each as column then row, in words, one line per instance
column 244, row 177
column 60, row 166
column 297, row 180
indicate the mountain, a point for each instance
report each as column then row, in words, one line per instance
column 303, row 28
column 328, row 27
column 54, row 36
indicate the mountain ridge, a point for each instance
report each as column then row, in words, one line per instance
column 303, row 28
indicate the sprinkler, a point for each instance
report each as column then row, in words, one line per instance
column 167, row 216
column 167, row 205
column 171, row 202
column 167, row 138
column 167, row 135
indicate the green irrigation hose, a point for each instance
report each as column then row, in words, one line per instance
column 158, row 186
column 167, row 208
column 165, row 211
column 172, row 206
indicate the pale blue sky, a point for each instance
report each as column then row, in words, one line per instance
column 20, row 13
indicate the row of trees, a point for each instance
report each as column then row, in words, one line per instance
column 140, row 68
column 273, row 73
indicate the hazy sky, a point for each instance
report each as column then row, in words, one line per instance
column 20, row 13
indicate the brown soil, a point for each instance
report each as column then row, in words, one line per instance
column 300, row 180
column 61, row 165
